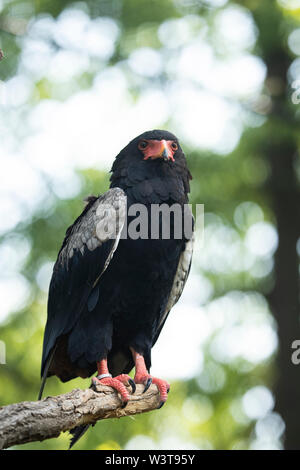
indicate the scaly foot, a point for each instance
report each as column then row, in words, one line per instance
column 142, row 376
column 118, row 383
column 162, row 385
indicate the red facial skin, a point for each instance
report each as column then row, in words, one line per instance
column 158, row 149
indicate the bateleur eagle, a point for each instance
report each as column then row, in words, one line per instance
column 110, row 293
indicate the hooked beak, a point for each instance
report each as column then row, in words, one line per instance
column 165, row 152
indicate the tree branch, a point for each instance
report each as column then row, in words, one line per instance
column 39, row 420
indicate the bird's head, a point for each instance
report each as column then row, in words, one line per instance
column 157, row 144
column 151, row 155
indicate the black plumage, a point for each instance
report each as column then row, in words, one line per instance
column 108, row 295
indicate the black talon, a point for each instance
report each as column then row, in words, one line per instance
column 94, row 384
column 168, row 390
column 161, row 405
column 124, row 404
column 132, row 384
column 148, row 383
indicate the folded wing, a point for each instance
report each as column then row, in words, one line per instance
column 86, row 252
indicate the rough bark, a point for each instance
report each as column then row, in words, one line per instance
column 39, row 420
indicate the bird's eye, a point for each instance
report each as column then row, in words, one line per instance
column 174, row 146
column 142, row 145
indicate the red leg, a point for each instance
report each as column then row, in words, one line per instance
column 117, row 383
column 142, row 376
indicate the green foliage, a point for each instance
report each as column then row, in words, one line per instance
column 205, row 411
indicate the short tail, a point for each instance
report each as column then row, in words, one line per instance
column 77, row 433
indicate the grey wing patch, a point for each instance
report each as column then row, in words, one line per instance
column 95, row 235
column 112, row 215
column 180, row 278
column 102, row 222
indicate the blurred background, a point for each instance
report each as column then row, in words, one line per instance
column 78, row 81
